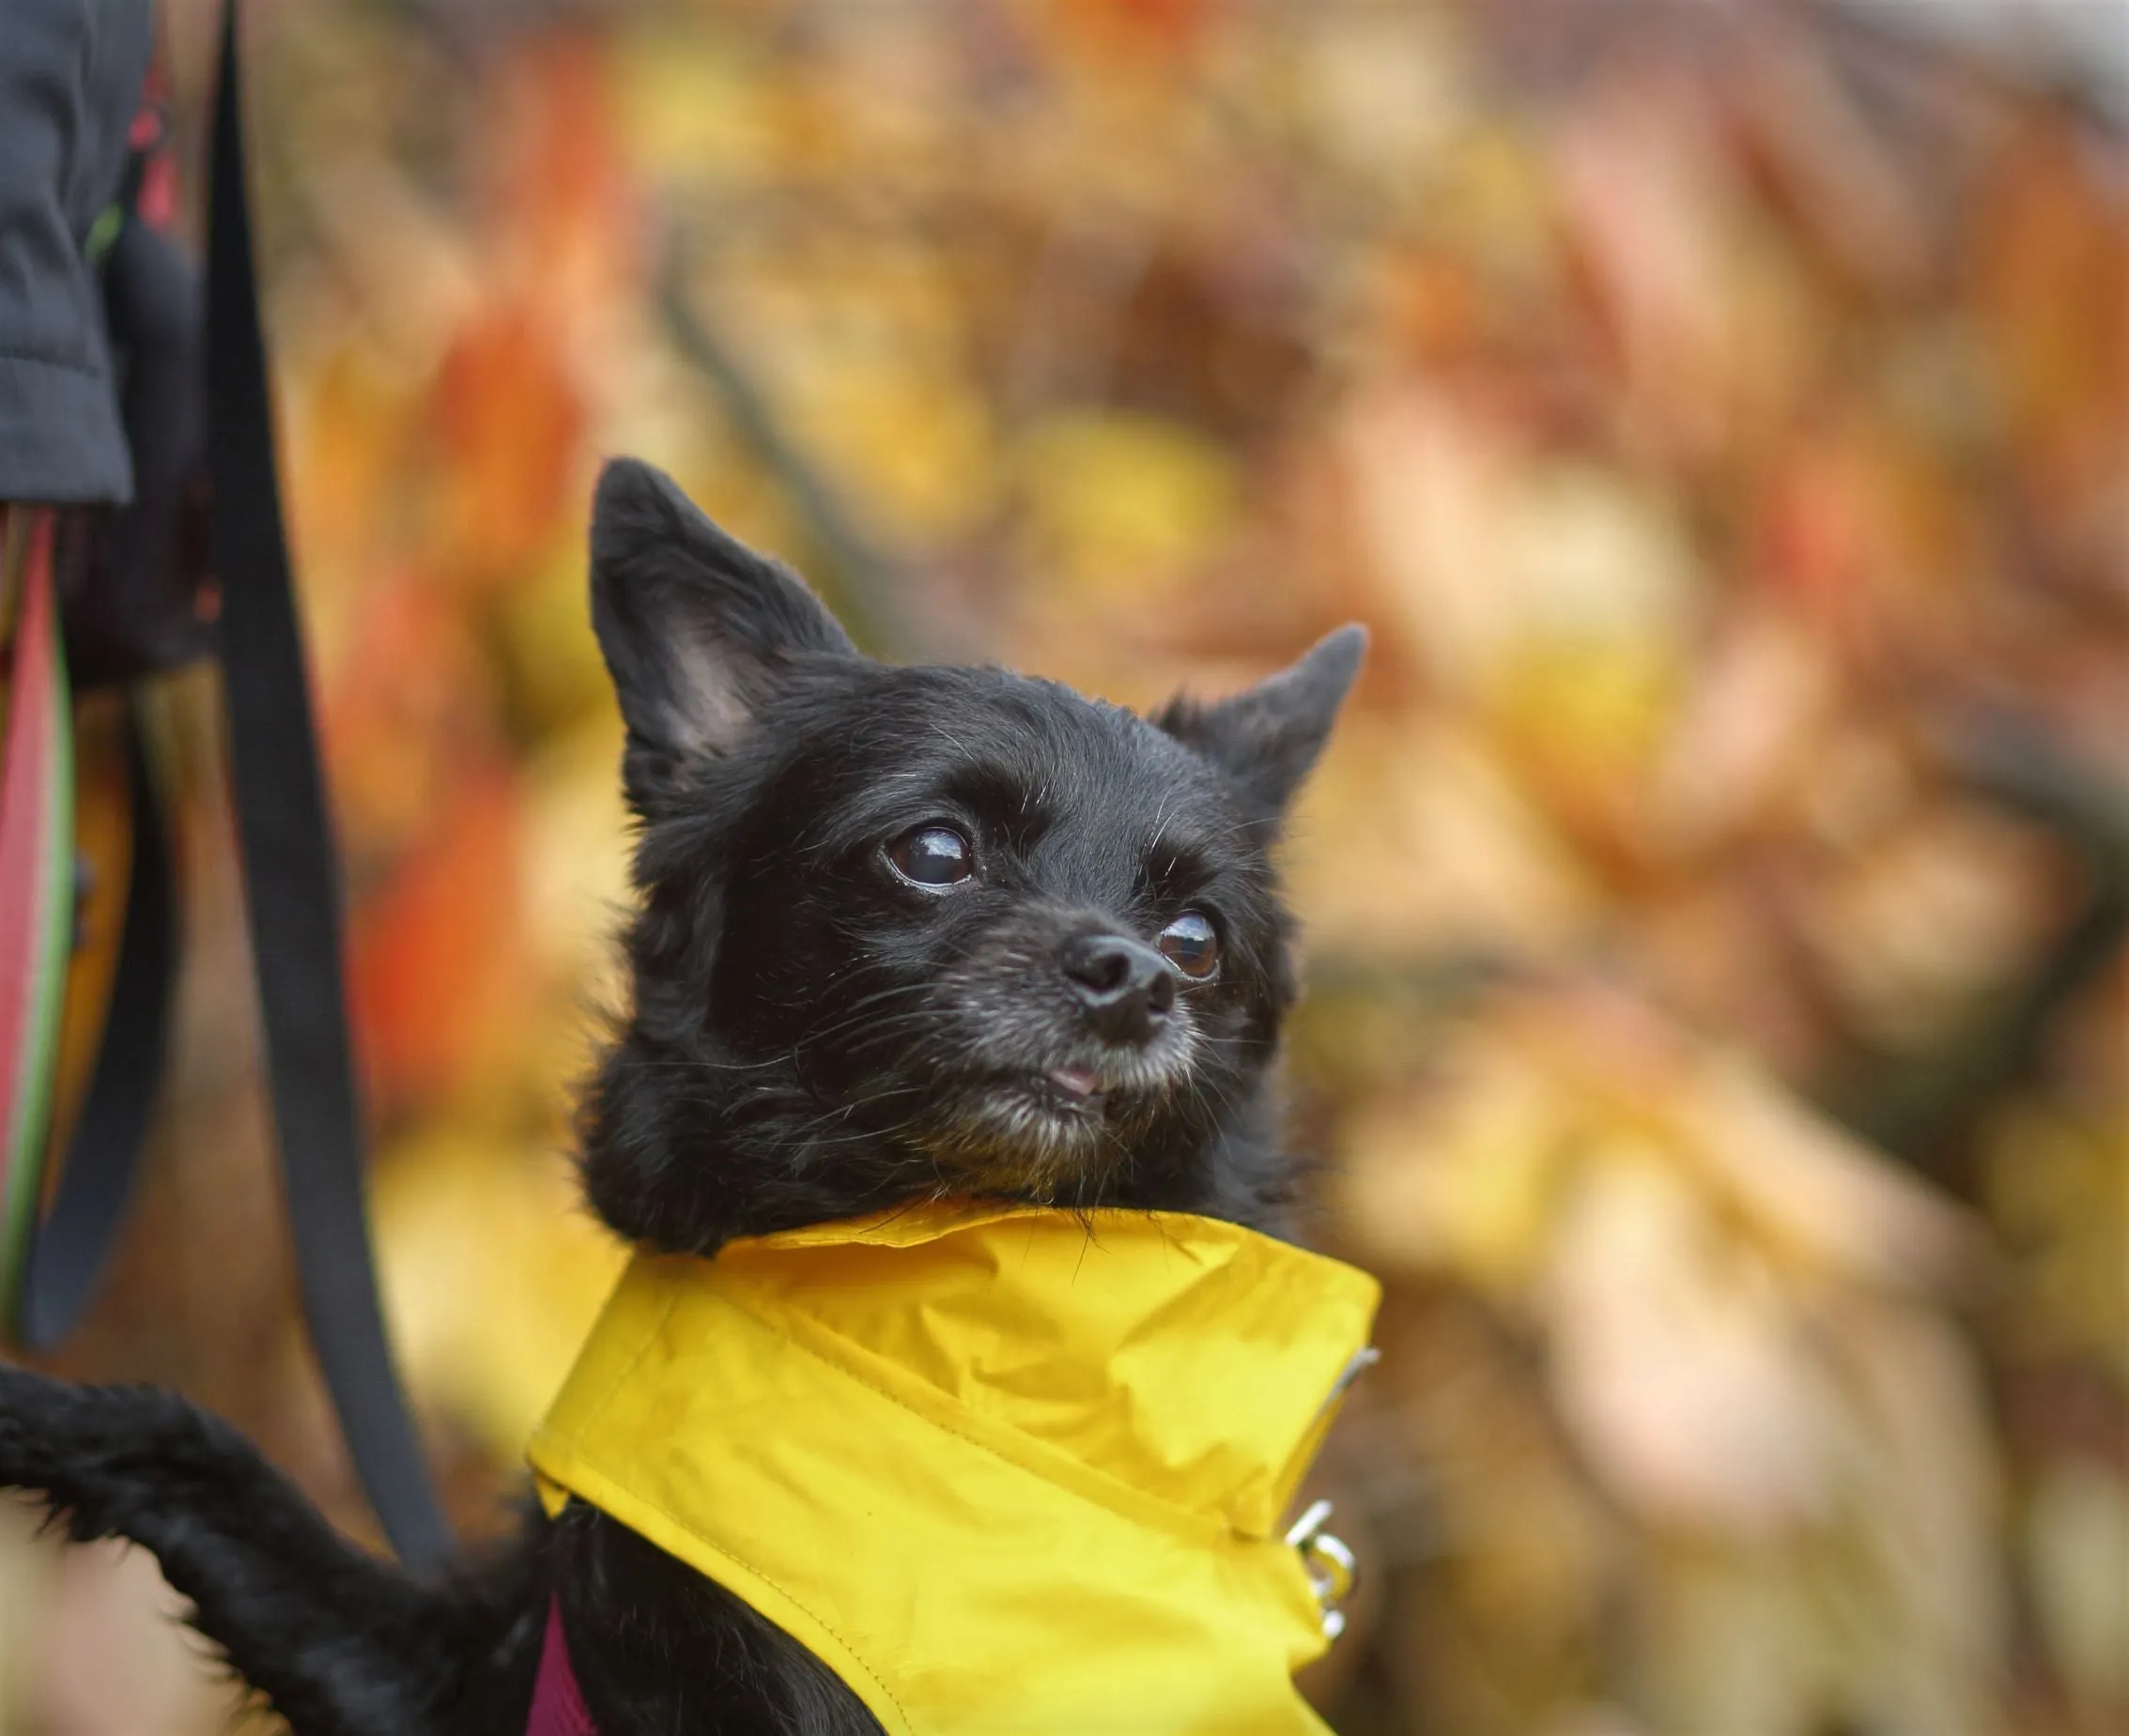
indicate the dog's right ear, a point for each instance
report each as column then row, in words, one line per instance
column 1264, row 740
column 697, row 628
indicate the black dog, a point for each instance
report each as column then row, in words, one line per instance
column 903, row 933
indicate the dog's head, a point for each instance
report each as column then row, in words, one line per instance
column 912, row 931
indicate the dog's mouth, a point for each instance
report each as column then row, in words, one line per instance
column 1080, row 1092
column 1035, row 1129
column 1045, row 1125
column 1074, row 1090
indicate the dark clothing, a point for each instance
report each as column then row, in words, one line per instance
column 70, row 75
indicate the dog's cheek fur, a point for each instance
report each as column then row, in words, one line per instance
column 699, row 1124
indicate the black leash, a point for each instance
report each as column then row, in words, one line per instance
column 290, row 873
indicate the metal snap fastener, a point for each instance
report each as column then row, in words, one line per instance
column 1330, row 1565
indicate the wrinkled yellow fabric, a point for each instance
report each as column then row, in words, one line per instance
column 1007, row 1471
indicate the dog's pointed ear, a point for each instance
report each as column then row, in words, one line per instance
column 1264, row 740
column 697, row 628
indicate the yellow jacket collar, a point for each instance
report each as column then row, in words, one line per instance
column 1003, row 1469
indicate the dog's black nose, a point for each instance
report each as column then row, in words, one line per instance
column 1125, row 988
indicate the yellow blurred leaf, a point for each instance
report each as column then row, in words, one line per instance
column 492, row 1273
column 1117, row 501
column 1461, row 1177
column 2076, row 1550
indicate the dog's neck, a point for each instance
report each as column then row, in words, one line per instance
column 682, row 1152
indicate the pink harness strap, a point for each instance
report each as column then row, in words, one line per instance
column 558, row 1704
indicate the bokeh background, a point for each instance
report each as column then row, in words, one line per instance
column 1720, row 1029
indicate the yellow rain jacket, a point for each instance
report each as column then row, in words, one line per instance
column 1007, row 1471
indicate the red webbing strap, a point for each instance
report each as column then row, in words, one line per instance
column 558, row 1703
column 37, row 885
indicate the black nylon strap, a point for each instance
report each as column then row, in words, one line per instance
column 292, row 884
column 69, row 1249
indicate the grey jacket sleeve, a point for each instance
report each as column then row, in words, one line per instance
column 70, row 73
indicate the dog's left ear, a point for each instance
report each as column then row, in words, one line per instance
column 697, row 628
column 1264, row 740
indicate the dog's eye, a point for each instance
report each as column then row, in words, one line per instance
column 1191, row 946
column 932, row 856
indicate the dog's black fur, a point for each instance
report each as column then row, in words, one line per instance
column 813, row 1033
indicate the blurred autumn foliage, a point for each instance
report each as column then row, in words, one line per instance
column 1715, row 894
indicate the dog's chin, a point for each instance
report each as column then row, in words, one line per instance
column 1054, row 1136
